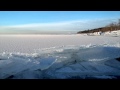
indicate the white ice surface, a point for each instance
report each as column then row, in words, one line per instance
column 59, row 56
column 32, row 43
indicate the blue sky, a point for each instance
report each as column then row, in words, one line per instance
column 69, row 21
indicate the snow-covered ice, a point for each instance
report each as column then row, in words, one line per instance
column 59, row 56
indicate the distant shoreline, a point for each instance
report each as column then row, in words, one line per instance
column 39, row 34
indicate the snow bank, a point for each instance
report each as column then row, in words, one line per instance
column 112, row 33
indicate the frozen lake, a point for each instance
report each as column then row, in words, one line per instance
column 59, row 56
column 30, row 43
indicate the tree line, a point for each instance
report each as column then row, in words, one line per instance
column 110, row 27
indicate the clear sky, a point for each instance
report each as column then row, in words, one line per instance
column 55, row 21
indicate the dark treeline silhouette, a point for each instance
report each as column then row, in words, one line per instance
column 111, row 27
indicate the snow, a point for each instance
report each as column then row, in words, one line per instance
column 113, row 33
column 59, row 56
